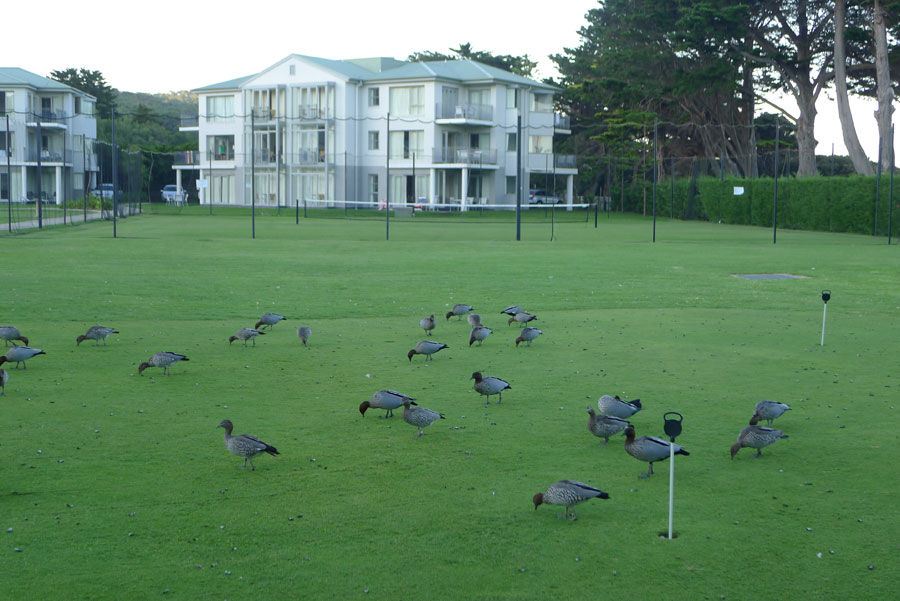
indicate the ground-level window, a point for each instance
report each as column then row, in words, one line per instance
column 220, row 147
column 373, row 187
column 511, row 184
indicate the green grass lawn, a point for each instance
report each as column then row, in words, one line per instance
column 118, row 486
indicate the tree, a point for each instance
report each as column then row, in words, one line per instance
column 860, row 162
column 520, row 65
column 884, row 90
column 90, row 82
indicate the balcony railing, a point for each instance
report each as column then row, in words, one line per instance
column 474, row 112
column 228, row 155
column 562, row 121
column 465, row 156
column 313, row 111
column 189, row 121
column 47, row 156
column 565, row 161
column 307, row 157
column 186, row 157
column 48, row 116
column 262, row 113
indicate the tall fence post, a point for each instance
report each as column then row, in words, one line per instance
column 115, row 173
column 877, row 188
column 775, row 203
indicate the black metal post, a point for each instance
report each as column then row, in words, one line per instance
column 672, row 191
column 387, row 180
column 891, row 197
column 85, row 178
column 519, row 177
column 115, row 174
column 655, row 171
column 39, row 172
column 775, row 203
column 877, row 188
column 832, row 159
column 8, row 174
column 253, row 172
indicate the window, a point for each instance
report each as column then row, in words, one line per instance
column 12, row 142
column 475, row 141
column 374, row 97
column 511, row 142
column 542, row 103
column 292, row 69
column 77, row 105
column 512, row 98
column 480, row 97
column 373, row 140
column 540, row 144
column 405, row 143
column 220, row 147
column 219, row 108
column 511, row 184
column 408, row 101
column 373, row 187
column 3, row 101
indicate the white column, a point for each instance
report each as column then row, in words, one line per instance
column 178, row 181
column 570, row 185
column 464, row 188
column 24, row 182
column 432, row 185
column 59, row 191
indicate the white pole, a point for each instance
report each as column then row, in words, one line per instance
column 671, row 484
column 824, row 314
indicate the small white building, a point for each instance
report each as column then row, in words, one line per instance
column 52, row 131
column 316, row 130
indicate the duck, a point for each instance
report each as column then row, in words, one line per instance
column 489, row 385
column 649, row 448
column 512, row 310
column 244, row 445
column 246, row 334
column 97, row 333
column 474, row 319
column 303, row 333
column 479, row 333
column 4, row 378
column 163, row 359
column 522, row 317
column 427, row 348
column 20, row 354
column 756, row 437
column 527, row 335
column 387, row 400
column 427, row 324
column 568, row 493
column 268, row 319
column 419, row 417
column 616, row 407
column 459, row 309
column 11, row 334
column 605, row 426
column 770, row 410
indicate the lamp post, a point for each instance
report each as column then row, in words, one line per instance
column 672, row 428
column 826, row 296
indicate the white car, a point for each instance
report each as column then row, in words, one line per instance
column 172, row 195
column 542, row 197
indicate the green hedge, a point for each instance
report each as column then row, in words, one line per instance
column 830, row 204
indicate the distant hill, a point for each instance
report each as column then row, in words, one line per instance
column 151, row 121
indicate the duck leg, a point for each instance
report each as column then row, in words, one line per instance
column 758, row 453
column 649, row 473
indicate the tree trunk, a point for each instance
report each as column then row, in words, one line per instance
column 806, row 123
column 884, row 93
column 860, row 162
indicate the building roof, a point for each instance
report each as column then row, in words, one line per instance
column 14, row 76
column 384, row 69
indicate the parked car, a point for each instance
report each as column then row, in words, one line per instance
column 105, row 191
column 171, row 194
column 542, row 197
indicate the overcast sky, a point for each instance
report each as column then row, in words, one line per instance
column 164, row 45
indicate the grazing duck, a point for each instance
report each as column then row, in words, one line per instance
column 163, row 359
column 605, row 426
column 474, row 319
column 479, row 333
column 20, row 354
column 756, row 437
column 488, row 386
column 568, row 493
column 11, row 334
column 527, row 335
column 97, row 333
column 616, row 407
column 419, row 417
column 427, row 348
column 268, row 319
column 4, row 378
column 769, row 410
column 522, row 317
column 246, row 334
column 459, row 309
column 387, row 400
column 303, row 333
column 512, row 310
column 244, row 445
column 427, row 324
column 648, row 448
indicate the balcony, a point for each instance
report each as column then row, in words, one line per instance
column 462, row 113
column 261, row 113
column 47, row 156
column 228, row 155
column 562, row 121
column 547, row 162
column 313, row 112
column 189, row 123
column 565, row 161
column 48, row 117
column 186, row 157
column 465, row 156
column 307, row 156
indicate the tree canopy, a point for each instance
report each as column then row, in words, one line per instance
column 520, row 65
column 90, row 82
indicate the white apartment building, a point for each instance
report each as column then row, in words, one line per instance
column 52, row 131
column 315, row 130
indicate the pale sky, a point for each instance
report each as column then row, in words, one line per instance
column 164, row 45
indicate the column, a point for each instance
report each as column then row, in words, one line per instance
column 432, row 185
column 464, row 188
column 570, row 186
column 59, row 190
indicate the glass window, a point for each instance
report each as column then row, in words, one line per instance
column 373, row 140
column 540, row 144
column 542, row 103
column 512, row 98
column 374, row 97
column 219, row 108
column 373, row 187
column 510, row 142
column 480, row 97
column 511, row 184
column 408, row 101
column 3, row 145
column 221, row 147
column 405, row 143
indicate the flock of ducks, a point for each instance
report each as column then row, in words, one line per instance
column 610, row 418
